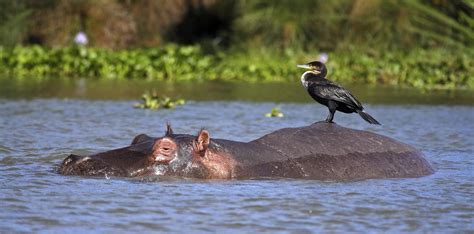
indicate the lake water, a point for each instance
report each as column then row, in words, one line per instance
column 40, row 125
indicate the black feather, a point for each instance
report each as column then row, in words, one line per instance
column 368, row 117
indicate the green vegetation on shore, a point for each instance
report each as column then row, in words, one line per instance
column 437, row 68
column 416, row 43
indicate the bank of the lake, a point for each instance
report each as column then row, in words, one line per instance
column 420, row 68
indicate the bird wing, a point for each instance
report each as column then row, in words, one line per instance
column 335, row 92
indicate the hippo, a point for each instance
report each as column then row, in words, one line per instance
column 320, row 151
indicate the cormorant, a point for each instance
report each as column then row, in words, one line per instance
column 330, row 94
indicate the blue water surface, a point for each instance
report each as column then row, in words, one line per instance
column 36, row 134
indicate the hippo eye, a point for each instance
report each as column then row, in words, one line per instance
column 165, row 148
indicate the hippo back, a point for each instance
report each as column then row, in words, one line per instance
column 331, row 152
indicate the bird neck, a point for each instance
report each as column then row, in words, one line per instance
column 309, row 76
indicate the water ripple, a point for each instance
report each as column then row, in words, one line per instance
column 37, row 134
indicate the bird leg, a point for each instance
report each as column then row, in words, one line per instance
column 330, row 116
column 332, row 109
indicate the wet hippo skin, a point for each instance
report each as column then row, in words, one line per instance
column 322, row 151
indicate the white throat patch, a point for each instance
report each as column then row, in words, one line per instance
column 303, row 81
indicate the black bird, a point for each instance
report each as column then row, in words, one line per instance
column 330, row 94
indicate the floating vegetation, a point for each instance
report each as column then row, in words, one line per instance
column 154, row 101
column 275, row 113
column 420, row 68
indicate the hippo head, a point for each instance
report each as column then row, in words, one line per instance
column 192, row 156
column 171, row 155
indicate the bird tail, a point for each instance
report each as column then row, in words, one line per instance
column 367, row 117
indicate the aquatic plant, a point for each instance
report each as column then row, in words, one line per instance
column 436, row 68
column 155, row 102
column 275, row 113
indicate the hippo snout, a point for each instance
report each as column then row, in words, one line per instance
column 85, row 165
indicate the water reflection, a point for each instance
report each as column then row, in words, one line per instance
column 201, row 91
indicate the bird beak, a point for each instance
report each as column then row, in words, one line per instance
column 305, row 66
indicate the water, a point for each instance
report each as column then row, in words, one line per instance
column 38, row 132
column 105, row 89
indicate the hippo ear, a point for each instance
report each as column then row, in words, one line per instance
column 169, row 130
column 201, row 143
column 140, row 139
